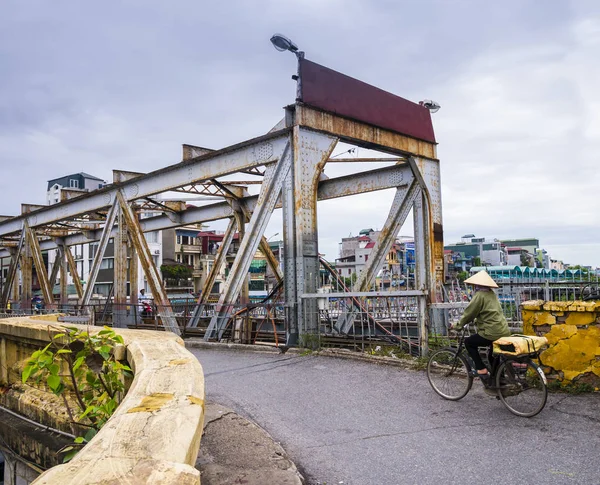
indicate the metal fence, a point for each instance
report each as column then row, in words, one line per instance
column 363, row 321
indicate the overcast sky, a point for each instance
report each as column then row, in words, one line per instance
column 92, row 86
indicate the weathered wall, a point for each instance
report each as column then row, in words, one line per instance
column 573, row 333
column 154, row 435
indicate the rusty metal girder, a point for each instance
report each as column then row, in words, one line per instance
column 423, row 276
column 55, row 267
column 363, row 182
column 247, row 214
column 73, row 269
column 120, row 270
column 163, row 304
column 26, row 273
column 104, row 238
column 64, row 296
column 401, row 206
column 366, row 160
column 12, row 270
column 300, row 229
column 270, row 190
column 244, row 156
column 38, row 261
column 213, row 190
column 363, row 134
column 28, row 208
column 214, row 270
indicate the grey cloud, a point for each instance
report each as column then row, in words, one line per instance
column 97, row 86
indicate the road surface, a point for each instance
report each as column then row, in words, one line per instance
column 356, row 423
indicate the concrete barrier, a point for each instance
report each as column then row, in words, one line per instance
column 573, row 332
column 154, row 435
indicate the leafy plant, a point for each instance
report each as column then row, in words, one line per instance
column 75, row 361
column 176, row 271
column 309, row 341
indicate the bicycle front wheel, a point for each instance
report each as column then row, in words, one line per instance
column 448, row 374
column 522, row 387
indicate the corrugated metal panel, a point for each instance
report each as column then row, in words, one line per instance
column 332, row 91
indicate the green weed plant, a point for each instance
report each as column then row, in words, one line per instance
column 85, row 365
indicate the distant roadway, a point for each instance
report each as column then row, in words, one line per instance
column 355, row 423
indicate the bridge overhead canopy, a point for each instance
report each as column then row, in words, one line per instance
column 286, row 164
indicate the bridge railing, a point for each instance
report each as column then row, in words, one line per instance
column 364, row 320
column 153, row 435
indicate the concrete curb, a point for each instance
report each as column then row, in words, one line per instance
column 336, row 353
column 235, row 450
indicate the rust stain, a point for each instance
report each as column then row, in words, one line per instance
column 196, row 400
column 179, row 361
column 366, row 135
column 153, row 402
column 438, row 232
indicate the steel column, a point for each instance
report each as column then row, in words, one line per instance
column 311, row 152
column 104, row 238
column 120, row 272
column 64, row 296
column 210, row 280
column 429, row 171
column 40, row 267
column 55, row 267
column 11, row 280
column 269, row 193
column 163, row 305
column 26, row 274
column 73, row 270
column 421, row 213
column 135, row 317
column 271, row 259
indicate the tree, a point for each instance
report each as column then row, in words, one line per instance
column 176, row 271
column 525, row 260
column 349, row 281
column 462, row 276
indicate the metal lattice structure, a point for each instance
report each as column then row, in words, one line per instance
column 288, row 161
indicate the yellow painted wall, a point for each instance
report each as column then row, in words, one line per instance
column 573, row 333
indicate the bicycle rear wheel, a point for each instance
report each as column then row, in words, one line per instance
column 522, row 387
column 448, row 374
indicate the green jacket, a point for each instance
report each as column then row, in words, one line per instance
column 486, row 312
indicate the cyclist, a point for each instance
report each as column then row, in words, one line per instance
column 487, row 313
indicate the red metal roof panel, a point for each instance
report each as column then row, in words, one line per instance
column 335, row 92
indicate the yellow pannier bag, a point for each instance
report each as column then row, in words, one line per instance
column 519, row 345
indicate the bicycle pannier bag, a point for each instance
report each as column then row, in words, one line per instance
column 519, row 345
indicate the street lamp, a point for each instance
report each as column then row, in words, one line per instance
column 282, row 44
column 431, row 105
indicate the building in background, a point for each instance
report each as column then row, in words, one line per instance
column 399, row 265
column 60, row 188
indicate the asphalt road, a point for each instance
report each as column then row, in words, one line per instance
column 356, row 423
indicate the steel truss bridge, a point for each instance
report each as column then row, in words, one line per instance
column 288, row 162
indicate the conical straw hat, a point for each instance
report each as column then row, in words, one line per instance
column 482, row 279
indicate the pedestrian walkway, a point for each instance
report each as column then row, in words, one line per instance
column 234, row 450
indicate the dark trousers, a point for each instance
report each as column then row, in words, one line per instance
column 471, row 344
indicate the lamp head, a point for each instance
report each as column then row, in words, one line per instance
column 282, row 43
column 432, row 106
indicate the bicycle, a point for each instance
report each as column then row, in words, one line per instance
column 516, row 380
